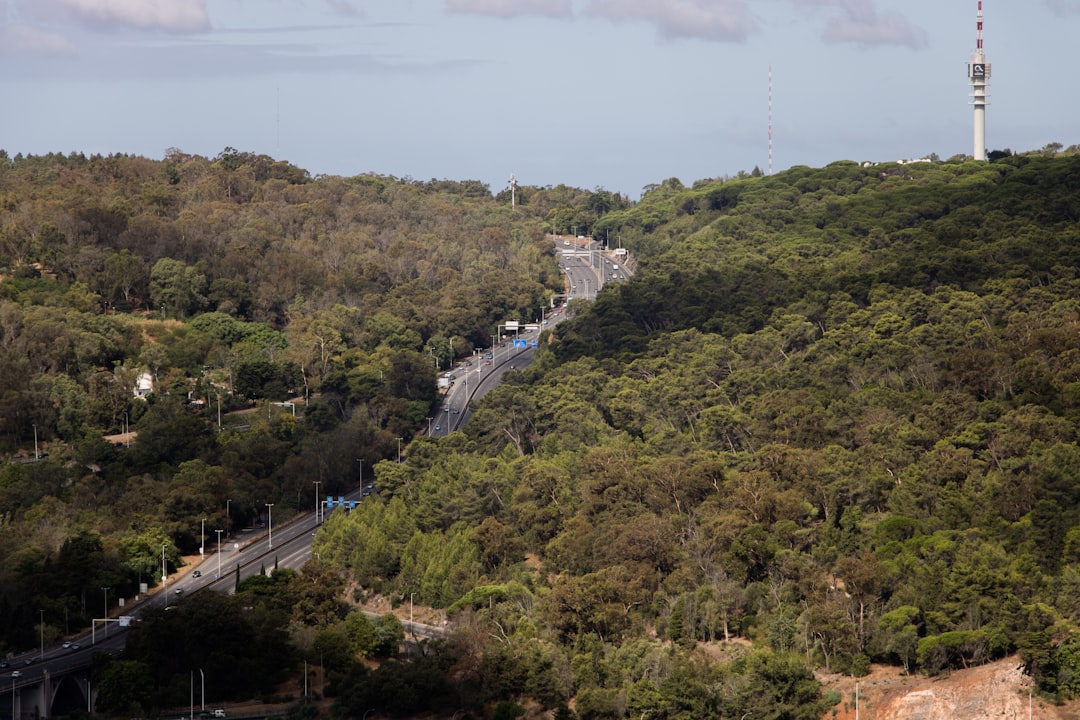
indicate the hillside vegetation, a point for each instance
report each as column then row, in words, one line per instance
column 831, row 421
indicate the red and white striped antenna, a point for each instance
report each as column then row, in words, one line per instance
column 978, row 26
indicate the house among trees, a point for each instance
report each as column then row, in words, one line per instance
column 144, row 385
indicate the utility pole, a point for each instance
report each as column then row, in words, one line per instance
column 270, row 524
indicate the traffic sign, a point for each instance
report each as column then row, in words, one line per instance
column 521, row 344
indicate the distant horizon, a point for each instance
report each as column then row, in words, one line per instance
column 586, row 93
column 495, row 191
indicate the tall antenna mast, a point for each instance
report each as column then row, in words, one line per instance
column 513, row 191
column 979, row 75
column 770, row 118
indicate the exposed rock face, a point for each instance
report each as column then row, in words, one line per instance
column 998, row 691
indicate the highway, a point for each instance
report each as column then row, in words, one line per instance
column 587, row 268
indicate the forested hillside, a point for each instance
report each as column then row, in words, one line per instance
column 831, row 421
column 235, row 282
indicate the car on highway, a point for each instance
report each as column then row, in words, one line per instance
column 219, row 713
column 438, row 428
column 196, row 574
column 16, row 674
column 565, row 242
column 179, row 591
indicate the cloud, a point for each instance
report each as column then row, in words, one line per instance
column 24, row 40
column 861, row 23
column 511, row 8
column 344, row 8
column 175, row 16
column 1062, row 8
column 723, row 20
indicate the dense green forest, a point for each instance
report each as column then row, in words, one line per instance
column 831, row 421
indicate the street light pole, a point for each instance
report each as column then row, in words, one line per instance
column 218, row 554
column 317, row 504
column 228, row 518
column 202, row 538
column 41, row 627
column 36, row 456
column 165, row 575
column 399, row 439
column 361, row 461
column 106, row 613
column 270, row 523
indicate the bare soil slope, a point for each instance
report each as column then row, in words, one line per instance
column 998, row 691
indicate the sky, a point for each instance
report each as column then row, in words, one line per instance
column 613, row 94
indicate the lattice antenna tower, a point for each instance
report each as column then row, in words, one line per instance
column 513, row 191
column 770, row 118
column 979, row 76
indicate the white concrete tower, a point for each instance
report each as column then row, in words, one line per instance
column 979, row 75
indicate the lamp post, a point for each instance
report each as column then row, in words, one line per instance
column 36, row 456
column 399, row 441
column 202, row 538
column 228, row 518
column 429, row 427
column 317, row 504
column 202, row 688
column 361, row 461
column 106, row 613
column 41, row 628
column 127, row 426
column 218, row 554
column 270, row 523
column 165, row 574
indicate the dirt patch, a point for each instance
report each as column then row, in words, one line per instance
column 997, row 691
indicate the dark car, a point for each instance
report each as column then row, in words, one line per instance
column 196, row 574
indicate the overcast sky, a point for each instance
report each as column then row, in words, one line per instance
column 591, row 93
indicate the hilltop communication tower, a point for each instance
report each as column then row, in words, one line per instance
column 979, row 75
